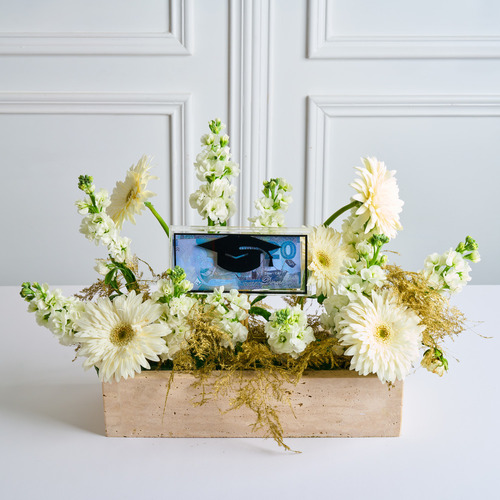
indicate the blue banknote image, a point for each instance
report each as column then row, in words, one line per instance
column 246, row 262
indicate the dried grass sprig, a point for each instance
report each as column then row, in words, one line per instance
column 441, row 319
column 252, row 375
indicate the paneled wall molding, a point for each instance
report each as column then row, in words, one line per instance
column 177, row 41
column 325, row 45
column 322, row 109
column 249, row 111
column 173, row 106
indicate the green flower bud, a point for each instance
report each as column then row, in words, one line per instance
column 177, row 274
column 460, row 247
column 216, row 126
column 26, row 291
column 85, row 183
column 473, row 256
column 379, row 240
column 471, row 244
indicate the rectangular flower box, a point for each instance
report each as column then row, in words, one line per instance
column 337, row 403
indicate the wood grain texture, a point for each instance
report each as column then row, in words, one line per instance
column 326, row 404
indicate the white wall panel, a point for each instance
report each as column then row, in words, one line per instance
column 96, row 27
column 48, row 140
column 395, row 29
column 249, row 80
column 253, row 64
column 445, row 151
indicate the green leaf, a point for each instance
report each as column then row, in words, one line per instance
column 258, row 299
column 110, row 277
column 321, row 298
column 260, row 311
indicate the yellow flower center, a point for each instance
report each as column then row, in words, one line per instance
column 122, row 334
column 383, row 332
column 323, row 259
column 131, row 194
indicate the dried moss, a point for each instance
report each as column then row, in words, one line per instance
column 97, row 289
column 440, row 318
column 220, row 371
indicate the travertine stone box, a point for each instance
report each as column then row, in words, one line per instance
column 336, row 403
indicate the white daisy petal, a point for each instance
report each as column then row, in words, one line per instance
column 381, row 335
column 326, row 256
column 118, row 337
column 378, row 192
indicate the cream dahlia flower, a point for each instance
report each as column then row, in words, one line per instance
column 381, row 335
column 326, row 256
column 128, row 197
column 119, row 336
column 378, row 192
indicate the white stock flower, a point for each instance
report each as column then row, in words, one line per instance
column 432, row 363
column 351, row 286
column 176, row 333
column 101, row 267
column 230, row 309
column 236, row 331
column 214, row 200
column 180, row 307
column 381, row 335
column 333, row 306
column 98, row 227
column 165, row 289
column 273, row 204
column 378, row 192
column 373, row 277
column 62, row 321
column 353, row 229
column 120, row 336
column 55, row 312
column 447, row 272
column 287, row 331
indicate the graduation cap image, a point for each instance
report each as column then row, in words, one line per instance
column 240, row 253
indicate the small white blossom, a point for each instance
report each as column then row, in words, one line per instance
column 101, row 267
column 273, row 204
column 214, row 200
column 99, row 227
column 447, row 272
column 434, row 361
column 287, row 331
column 54, row 311
column 333, row 305
column 230, row 310
column 177, row 306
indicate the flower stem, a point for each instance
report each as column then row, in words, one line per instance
column 158, row 217
column 211, row 223
column 340, row 211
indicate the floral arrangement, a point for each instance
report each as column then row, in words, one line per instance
column 360, row 312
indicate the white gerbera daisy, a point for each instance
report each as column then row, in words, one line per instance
column 382, row 336
column 326, row 256
column 378, row 192
column 129, row 196
column 119, row 336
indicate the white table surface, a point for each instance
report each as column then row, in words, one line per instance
column 52, row 442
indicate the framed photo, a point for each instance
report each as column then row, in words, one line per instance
column 246, row 259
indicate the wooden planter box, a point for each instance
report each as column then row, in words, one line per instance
column 336, row 403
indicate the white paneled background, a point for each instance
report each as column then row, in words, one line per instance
column 305, row 87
